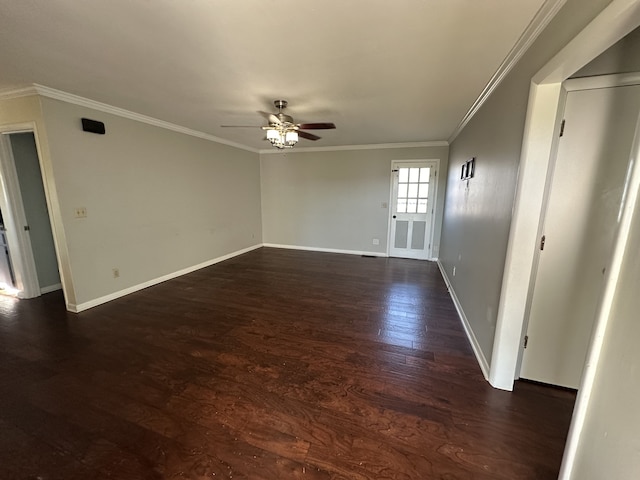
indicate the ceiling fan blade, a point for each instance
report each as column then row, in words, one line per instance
column 308, row 136
column 241, row 126
column 272, row 117
column 317, row 126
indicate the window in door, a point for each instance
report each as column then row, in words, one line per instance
column 413, row 189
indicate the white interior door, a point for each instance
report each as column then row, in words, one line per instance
column 413, row 192
column 579, row 227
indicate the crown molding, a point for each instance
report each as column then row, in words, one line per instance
column 49, row 92
column 9, row 93
column 374, row 146
column 539, row 22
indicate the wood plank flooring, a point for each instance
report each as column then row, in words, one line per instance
column 277, row 364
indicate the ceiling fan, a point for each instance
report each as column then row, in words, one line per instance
column 282, row 132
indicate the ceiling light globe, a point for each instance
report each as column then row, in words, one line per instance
column 273, row 136
column 291, row 138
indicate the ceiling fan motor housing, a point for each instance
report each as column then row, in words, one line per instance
column 285, row 118
column 281, row 105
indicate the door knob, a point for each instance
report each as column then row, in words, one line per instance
column 394, row 216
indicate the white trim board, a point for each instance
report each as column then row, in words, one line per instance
column 24, row 267
column 121, row 293
column 542, row 18
column 373, row 146
column 48, row 92
column 475, row 346
column 602, row 81
column 614, row 22
column 325, row 250
column 17, row 92
column 618, row 19
column 50, row 288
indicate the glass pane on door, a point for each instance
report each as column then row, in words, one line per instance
column 413, row 189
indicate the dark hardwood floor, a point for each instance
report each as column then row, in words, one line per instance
column 277, row 364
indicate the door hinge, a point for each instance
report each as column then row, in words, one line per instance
column 543, row 240
column 526, row 341
column 26, row 228
column 561, row 129
column 394, row 171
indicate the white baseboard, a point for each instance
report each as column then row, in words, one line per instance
column 121, row 293
column 50, row 288
column 482, row 361
column 327, row 250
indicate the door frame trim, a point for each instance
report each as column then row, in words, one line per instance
column 548, row 182
column 430, row 256
column 20, row 248
column 615, row 21
column 570, row 85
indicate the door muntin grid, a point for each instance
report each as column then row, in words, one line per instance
column 413, row 189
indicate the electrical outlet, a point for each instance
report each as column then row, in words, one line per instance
column 116, row 273
column 385, row 205
column 81, row 212
column 376, row 241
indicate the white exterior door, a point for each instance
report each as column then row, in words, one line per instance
column 579, row 227
column 413, row 192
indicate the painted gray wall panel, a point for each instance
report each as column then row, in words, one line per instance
column 334, row 199
column 157, row 201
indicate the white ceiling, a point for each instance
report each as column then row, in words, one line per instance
column 383, row 71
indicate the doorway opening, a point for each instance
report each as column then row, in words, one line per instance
column 583, row 204
column 28, row 257
column 614, row 22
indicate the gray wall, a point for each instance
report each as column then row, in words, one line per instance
column 477, row 220
column 25, row 155
column 333, row 199
column 157, row 201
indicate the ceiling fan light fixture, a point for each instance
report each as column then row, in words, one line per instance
column 291, row 138
column 273, row 135
column 282, row 132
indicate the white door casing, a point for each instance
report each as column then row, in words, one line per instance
column 15, row 222
column 581, row 216
column 413, row 194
